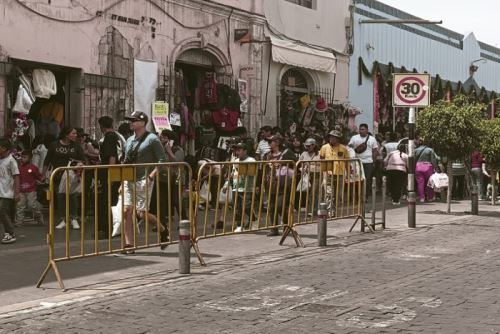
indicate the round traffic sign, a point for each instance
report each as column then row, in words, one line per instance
column 411, row 90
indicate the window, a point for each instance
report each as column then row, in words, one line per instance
column 303, row 3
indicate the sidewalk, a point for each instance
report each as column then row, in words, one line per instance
column 27, row 258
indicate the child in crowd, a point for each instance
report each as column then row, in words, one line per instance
column 29, row 175
column 9, row 190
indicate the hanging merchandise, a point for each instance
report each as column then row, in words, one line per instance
column 225, row 119
column 51, row 119
column 175, row 118
column 23, row 101
column 209, row 90
column 44, row 83
column 26, row 82
column 376, row 103
column 305, row 101
column 21, row 127
column 352, row 112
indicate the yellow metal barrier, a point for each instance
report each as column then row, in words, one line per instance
column 338, row 183
column 239, row 197
column 79, row 184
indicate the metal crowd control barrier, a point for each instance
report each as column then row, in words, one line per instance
column 337, row 183
column 374, row 218
column 236, row 197
column 99, row 184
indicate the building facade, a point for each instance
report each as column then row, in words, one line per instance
column 457, row 64
column 308, row 58
column 101, row 52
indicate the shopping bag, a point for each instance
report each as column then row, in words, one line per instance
column 304, row 183
column 438, row 181
column 226, row 195
column 204, row 193
column 116, row 212
column 75, row 186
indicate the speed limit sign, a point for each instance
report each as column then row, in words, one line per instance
column 411, row 90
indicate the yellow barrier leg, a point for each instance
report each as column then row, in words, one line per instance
column 298, row 240
column 52, row 264
column 196, row 249
column 363, row 223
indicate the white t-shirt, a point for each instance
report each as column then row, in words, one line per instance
column 367, row 156
column 8, row 168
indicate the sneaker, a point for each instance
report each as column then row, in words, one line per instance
column 8, row 238
column 238, row 229
column 395, row 203
column 74, row 224
column 273, row 233
column 164, row 238
column 128, row 250
column 403, row 197
column 422, row 200
column 61, row 225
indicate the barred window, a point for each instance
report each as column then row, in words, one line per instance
column 303, row 3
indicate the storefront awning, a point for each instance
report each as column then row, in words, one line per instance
column 291, row 53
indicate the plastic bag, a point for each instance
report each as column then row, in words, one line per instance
column 204, row 193
column 304, row 183
column 438, row 181
column 75, row 186
column 23, row 101
column 116, row 212
column 226, row 195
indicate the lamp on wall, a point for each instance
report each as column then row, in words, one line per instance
column 473, row 68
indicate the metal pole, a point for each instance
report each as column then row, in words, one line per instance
column 412, row 196
column 474, row 196
column 384, row 191
column 184, row 247
column 374, row 200
column 322, row 213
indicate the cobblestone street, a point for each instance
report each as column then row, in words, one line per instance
column 441, row 278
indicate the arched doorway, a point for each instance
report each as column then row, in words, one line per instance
column 294, row 84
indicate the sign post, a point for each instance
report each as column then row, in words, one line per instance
column 411, row 90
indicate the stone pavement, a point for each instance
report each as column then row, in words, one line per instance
column 441, row 277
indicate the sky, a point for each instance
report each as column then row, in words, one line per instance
column 482, row 17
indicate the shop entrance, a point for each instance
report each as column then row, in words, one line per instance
column 40, row 97
column 301, row 103
column 204, row 104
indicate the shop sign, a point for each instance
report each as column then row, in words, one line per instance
column 247, row 72
column 160, row 116
column 411, row 90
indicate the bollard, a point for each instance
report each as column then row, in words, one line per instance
column 384, row 191
column 374, row 201
column 322, row 214
column 412, row 209
column 474, row 196
column 184, row 247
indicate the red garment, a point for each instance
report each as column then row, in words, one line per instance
column 28, row 174
column 226, row 119
column 208, row 92
column 476, row 160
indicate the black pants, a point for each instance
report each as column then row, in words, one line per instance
column 244, row 207
column 368, row 168
column 7, row 214
column 104, row 207
column 166, row 201
column 277, row 206
column 395, row 182
column 458, row 186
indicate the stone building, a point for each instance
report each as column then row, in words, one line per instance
column 110, row 57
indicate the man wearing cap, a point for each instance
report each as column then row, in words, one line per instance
column 242, row 185
column 334, row 150
column 142, row 147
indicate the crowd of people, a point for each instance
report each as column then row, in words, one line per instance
column 21, row 179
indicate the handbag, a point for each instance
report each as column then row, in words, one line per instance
column 362, row 147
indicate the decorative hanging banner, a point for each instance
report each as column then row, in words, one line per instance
column 159, row 113
column 243, row 92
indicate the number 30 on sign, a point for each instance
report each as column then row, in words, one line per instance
column 411, row 90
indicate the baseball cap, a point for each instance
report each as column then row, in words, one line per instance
column 137, row 116
column 241, row 145
column 335, row 133
column 310, row 141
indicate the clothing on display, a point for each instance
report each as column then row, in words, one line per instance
column 23, row 101
column 44, row 83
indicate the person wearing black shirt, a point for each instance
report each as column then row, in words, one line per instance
column 108, row 152
column 60, row 154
